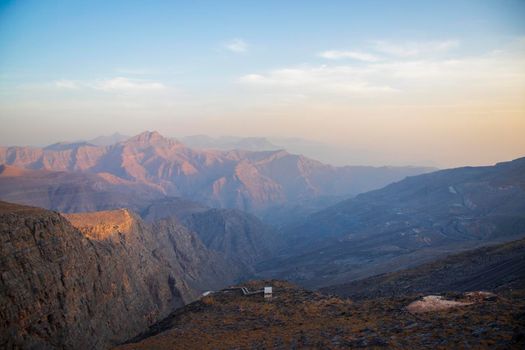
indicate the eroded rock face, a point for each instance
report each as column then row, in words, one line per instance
column 95, row 285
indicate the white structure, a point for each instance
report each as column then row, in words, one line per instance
column 206, row 293
column 267, row 292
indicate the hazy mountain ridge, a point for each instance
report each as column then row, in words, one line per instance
column 107, row 140
column 339, row 155
column 251, row 181
column 405, row 224
column 457, row 193
column 227, row 143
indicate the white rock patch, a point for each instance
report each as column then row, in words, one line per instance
column 434, row 303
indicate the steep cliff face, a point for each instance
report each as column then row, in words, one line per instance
column 175, row 249
column 95, row 285
column 200, row 268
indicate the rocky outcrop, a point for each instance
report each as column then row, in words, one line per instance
column 96, row 284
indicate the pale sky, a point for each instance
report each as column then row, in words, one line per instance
column 403, row 82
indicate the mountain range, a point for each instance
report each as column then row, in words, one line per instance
column 227, row 143
column 246, row 180
column 325, row 152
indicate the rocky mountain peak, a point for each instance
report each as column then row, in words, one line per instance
column 149, row 137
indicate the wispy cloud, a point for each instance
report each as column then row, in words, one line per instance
column 492, row 72
column 126, row 84
column 134, row 71
column 414, row 48
column 405, row 49
column 236, row 45
column 117, row 85
column 355, row 55
column 339, row 80
column 66, row 84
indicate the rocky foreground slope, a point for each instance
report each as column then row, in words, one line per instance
column 93, row 280
column 299, row 319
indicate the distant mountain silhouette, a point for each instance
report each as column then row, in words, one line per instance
column 229, row 143
column 108, row 140
column 325, row 152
